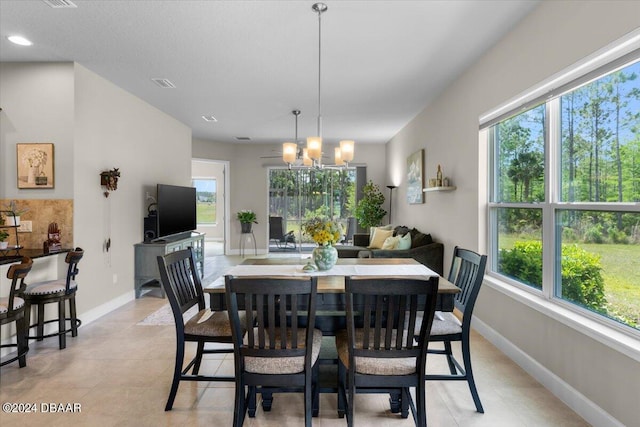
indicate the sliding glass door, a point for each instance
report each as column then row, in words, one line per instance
column 299, row 194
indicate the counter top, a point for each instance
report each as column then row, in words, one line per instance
column 31, row 253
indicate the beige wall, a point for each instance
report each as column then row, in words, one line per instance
column 95, row 126
column 248, row 173
column 554, row 36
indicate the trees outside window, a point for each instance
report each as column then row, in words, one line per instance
column 564, row 202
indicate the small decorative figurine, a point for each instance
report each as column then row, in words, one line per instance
column 52, row 244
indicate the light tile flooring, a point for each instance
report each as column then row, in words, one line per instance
column 120, row 373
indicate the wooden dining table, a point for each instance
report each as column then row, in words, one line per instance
column 330, row 301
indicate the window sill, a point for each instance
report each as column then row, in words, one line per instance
column 609, row 336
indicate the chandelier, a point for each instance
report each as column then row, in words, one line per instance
column 312, row 155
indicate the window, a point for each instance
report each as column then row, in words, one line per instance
column 206, row 198
column 564, row 208
column 300, row 194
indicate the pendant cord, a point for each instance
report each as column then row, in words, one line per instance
column 319, row 72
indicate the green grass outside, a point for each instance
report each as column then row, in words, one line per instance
column 206, row 213
column 621, row 274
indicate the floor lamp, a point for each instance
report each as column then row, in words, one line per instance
column 390, row 187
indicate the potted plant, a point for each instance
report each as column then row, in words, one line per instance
column 13, row 215
column 3, row 238
column 369, row 212
column 247, row 218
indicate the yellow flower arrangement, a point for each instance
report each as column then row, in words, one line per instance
column 323, row 232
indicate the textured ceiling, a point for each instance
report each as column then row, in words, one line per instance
column 249, row 63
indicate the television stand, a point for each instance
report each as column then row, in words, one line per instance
column 147, row 276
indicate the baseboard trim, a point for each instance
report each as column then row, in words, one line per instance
column 575, row 400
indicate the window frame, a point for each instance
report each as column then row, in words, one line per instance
column 552, row 206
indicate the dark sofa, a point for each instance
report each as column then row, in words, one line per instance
column 423, row 249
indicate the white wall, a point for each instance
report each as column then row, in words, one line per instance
column 95, row 126
column 554, row 36
column 248, row 178
column 114, row 129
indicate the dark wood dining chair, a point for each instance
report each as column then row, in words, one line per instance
column 58, row 291
column 12, row 310
column 467, row 273
column 181, row 283
column 377, row 352
column 281, row 349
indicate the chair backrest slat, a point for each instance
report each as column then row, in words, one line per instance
column 72, row 259
column 283, row 306
column 388, row 315
column 467, row 273
column 17, row 273
column 181, row 283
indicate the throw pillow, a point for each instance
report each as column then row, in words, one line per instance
column 373, row 229
column 404, row 242
column 379, row 236
column 400, row 230
column 391, row 242
column 419, row 239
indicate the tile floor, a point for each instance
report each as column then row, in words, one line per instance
column 120, row 372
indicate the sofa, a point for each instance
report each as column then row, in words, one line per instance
column 423, row 249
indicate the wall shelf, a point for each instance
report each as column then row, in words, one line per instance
column 429, row 189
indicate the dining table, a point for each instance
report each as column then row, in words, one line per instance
column 330, row 299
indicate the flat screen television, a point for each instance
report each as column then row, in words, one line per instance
column 176, row 210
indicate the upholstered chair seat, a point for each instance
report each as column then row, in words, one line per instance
column 50, row 287
column 18, row 303
column 284, row 365
column 373, row 365
column 215, row 324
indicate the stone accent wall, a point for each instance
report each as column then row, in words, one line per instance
column 41, row 213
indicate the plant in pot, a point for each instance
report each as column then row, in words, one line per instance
column 3, row 239
column 14, row 213
column 369, row 212
column 247, row 218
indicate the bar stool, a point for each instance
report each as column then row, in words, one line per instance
column 55, row 291
column 12, row 310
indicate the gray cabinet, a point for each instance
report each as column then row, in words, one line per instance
column 146, row 259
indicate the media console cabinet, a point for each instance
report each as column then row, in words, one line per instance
column 147, row 275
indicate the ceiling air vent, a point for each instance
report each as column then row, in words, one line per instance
column 60, row 4
column 209, row 119
column 164, row 83
column 243, row 138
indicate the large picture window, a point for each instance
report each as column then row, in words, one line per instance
column 206, row 200
column 564, row 199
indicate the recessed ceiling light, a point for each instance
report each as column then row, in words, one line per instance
column 19, row 40
column 243, row 138
column 209, row 118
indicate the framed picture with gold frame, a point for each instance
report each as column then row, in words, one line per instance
column 35, row 165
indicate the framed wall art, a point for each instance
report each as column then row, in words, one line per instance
column 35, row 165
column 415, row 178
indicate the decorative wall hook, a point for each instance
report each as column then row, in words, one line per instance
column 109, row 180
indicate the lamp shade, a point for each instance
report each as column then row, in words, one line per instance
column 314, row 147
column 347, row 150
column 289, row 151
column 338, row 157
column 306, row 160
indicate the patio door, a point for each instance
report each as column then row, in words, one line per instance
column 301, row 194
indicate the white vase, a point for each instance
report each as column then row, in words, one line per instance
column 34, row 171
